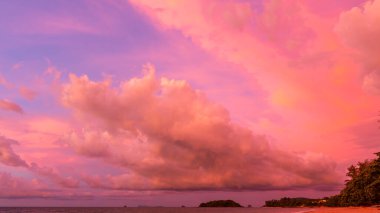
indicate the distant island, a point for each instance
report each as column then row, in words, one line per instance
column 220, row 203
column 361, row 189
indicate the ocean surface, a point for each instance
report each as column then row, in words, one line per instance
column 146, row 210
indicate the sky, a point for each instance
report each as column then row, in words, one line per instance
column 170, row 103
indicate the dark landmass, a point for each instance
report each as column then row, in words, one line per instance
column 296, row 202
column 361, row 189
column 220, row 203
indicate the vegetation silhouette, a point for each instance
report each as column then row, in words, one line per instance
column 361, row 189
column 363, row 186
column 295, row 202
column 220, row 203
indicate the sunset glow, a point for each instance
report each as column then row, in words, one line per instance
column 170, row 103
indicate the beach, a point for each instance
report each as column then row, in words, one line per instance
column 345, row 210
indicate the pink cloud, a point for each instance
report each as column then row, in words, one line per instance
column 371, row 83
column 17, row 66
column 59, row 25
column 54, row 176
column 91, row 143
column 54, row 72
column 27, row 93
column 48, row 24
column 10, row 106
column 7, row 155
column 165, row 133
column 359, row 29
column 10, row 158
column 297, row 59
column 4, row 82
column 15, row 187
column 35, row 132
column 62, row 21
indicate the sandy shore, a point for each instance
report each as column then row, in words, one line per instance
column 346, row 210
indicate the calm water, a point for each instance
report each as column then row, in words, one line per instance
column 158, row 210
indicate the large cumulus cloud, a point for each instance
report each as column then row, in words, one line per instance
column 169, row 136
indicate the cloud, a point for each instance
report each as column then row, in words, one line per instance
column 7, row 155
column 17, row 66
column 10, row 158
column 60, row 25
column 4, row 82
column 371, row 83
column 48, row 23
column 10, row 106
column 165, row 133
column 53, row 175
column 271, row 34
column 290, row 56
column 369, row 128
column 27, row 93
column 91, row 143
column 15, row 187
column 360, row 29
column 53, row 71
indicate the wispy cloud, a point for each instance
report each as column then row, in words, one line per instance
column 27, row 93
column 10, row 106
column 4, row 82
column 10, row 158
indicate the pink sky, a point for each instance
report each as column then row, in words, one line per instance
column 112, row 103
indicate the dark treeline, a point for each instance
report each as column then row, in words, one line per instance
column 295, row 202
column 361, row 189
column 363, row 186
column 220, row 203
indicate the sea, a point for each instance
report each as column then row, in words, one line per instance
column 148, row 210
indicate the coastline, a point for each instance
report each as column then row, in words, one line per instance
column 344, row 210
